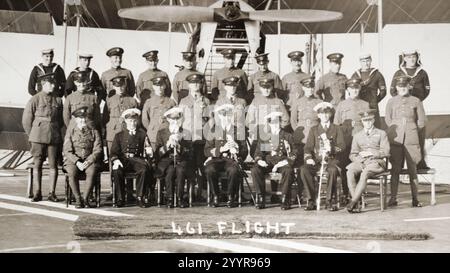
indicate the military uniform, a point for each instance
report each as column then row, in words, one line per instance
column 82, row 145
column 174, row 173
column 303, row 117
column 371, row 82
column 374, row 141
column 273, row 149
column 331, row 87
column 79, row 99
column 96, row 86
column 118, row 71
column 238, row 110
column 128, row 147
column 225, row 161
column 42, row 122
column 405, row 115
column 40, row 70
column 292, row 81
column 254, row 79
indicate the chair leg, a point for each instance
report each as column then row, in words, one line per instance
column 98, row 188
column 113, row 187
column 208, row 194
column 240, row 194
column 30, row 183
column 66, row 190
column 363, row 201
column 382, row 193
column 158, row 192
column 191, row 191
column 433, row 190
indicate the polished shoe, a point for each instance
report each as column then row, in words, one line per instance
column 119, row 203
column 285, row 203
column 140, row 202
column 87, row 203
column 147, row 202
column 37, row 197
column 392, row 202
column 311, row 206
column 52, row 197
column 260, row 204
column 79, row 203
column 230, row 202
column 416, row 204
column 216, row 202
column 181, row 203
column 332, row 207
column 351, row 207
column 169, row 203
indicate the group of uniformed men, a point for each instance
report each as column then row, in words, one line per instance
column 182, row 131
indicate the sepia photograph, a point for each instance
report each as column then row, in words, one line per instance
column 254, row 127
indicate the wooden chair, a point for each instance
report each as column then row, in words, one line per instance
column 223, row 177
column 276, row 178
column 189, row 184
column 82, row 176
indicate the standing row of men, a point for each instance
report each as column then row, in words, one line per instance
column 231, row 92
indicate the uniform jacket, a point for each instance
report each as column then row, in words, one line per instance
column 347, row 116
column 113, row 72
column 219, row 138
column 42, row 119
column 419, row 81
column 293, row 87
column 114, row 108
column 82, row 145
column 152, row 114
column 180, row 84
column 197, row 113
column 165, row 156
column 312, row 146
column 239, row 108
column 275, row 148
column 303, row 117
column 95, row 87
column 125, row 144
column 77, row 100
column 217, row 85
column 371, row 82
column 331, row 88
column 404, row 116
column 376, row 142
column 144, row 85
column 253, row 83
column 39, row 70
column 261, row 106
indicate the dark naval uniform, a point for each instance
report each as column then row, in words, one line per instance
column 96, row 86
column 405, row 116
column 174, row 174
column 82, row 145
column 373, row 89
column 224, row 161
column 274, row 149
column 129, row 149
column 313, row 151
column 40, row 70
column 374, row 141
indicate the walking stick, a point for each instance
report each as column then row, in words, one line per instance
column 322, row 166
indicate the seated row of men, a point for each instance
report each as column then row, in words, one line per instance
column 274, row 148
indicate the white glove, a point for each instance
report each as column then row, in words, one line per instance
column 149, row 151
column 262, row 163
column 310, row 162
column 117, row 164
column 80, row 165
column 279, row 165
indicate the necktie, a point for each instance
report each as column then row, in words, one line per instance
column 132, row 132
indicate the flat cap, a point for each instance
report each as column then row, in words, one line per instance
column 262, row 58
column 50, row 77
column 367, row 114
column 335, row 57
column 353, row 83
column 131, row 113
column 174, row 113
column 80, row 76
column 323, row 107
column 115, row 51
column 195, row 78
column 118, row 80
column 265, row 82
column 402, row 81
column 158, row 81
column 308, row 82
column 228, row 53
column 233, row 81
column 151, row 55
column 296, row 55
column 80, row 112
column 188, row 55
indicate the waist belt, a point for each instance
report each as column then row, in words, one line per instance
column 405, row 120
column 43, row 118
column 131, row 155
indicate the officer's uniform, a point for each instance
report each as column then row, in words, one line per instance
column 373, row 87
column 347, row 117
column 79, row 99
column 82, row 145
column 152, row 113
column 374, row 141
column 129, row 148
column 331, row 87
column 405, row 116
column 238, row 103
column 144, row 85
column 197, row 113
column 172, row 165
column 217, row 91
column 225, row 161
column 40, row 70
column 114, row 108
column 42, row 122
column 420, row 88
column 180, row 87
column 253, row 80
column 95, row 87
column 262, row 106
column 292, row 81
column 313, row 150
column 114, row 72
column 274, row 148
